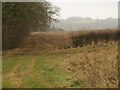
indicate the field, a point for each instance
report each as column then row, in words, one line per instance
column 50, row 60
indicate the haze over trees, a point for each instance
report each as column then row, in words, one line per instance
column 79, row 23
column 19, row 18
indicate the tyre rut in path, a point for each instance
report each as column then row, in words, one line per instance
column 14, row 77
column 37, row 76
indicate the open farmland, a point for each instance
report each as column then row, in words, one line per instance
column 59, row 59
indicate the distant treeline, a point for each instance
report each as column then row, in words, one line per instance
column 94, row 37
column 79, row 23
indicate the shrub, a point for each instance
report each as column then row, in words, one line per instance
column 94, row 37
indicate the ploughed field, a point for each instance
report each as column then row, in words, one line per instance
column 50, row 60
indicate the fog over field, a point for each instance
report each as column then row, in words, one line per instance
column 79, row 23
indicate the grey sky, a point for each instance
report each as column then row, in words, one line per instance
column 87, row 8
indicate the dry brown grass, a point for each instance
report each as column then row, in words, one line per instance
column 60, row 40
column 91, row 65
column 47, row 40
column 95, row 68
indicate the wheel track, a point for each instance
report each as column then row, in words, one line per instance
column 14, row 76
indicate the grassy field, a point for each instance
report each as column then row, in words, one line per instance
column 53, row 67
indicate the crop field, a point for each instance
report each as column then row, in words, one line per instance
column 55, row 60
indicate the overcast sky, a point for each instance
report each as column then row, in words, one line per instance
column 87, row 8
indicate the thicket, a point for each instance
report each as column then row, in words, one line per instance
column 19, row 18
column 94, row 37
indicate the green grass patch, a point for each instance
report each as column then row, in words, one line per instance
column 8, row 63
column 48, row 66
column 6, row 84
column 25, row 65
column 56, row 76
column 32, row 83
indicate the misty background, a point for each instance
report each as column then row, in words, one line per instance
column 79, row 23
column 78, row 15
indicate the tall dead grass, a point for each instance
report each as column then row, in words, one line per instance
column 64, row 40
column 95, row 69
